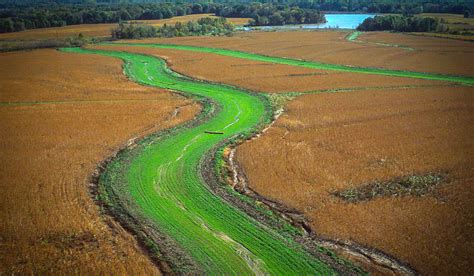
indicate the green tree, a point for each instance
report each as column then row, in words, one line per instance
column 6, row 25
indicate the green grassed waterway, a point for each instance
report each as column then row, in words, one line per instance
column 163, row 179
column 310, row 64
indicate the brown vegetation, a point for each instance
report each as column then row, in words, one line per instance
column 430, row 54
column 331, row 142
column 265, row 77
column 61, row 114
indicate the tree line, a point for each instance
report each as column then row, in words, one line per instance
column 400, row 23
column 390, row 6
column 272, row 15
column 203, row 26
column 19, row 15
column 19, row 18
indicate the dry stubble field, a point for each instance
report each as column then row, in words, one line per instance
column 62, row 114
column 266, row 77
column 326, row 142
column 330, row 142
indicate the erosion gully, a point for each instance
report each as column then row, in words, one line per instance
column 159, row 182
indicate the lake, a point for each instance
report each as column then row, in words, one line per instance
column 340, row 20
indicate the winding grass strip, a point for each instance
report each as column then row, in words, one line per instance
column 353, row 36
column 309, row 64
column 161, row 178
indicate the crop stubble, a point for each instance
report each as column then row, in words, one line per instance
column 326, row 47
column 331, row 142
column 264, row 76
column 69, row 112
column 432, row 55
column 337, row 141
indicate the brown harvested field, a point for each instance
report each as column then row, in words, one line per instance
column 100, row 30
column 266, row 77
column 89, row 30
column 330, row 142
column 50, row 224
column 430, row 55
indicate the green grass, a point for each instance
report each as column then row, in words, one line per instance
column 353, row 36
column 161, row 177
column 310, row 64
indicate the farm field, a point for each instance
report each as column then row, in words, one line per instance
column 433, row 55
column 217, row 236
column 164, row 53
column 100, row 30
column 358, row 115
column 332, row 142
column 265, row 76
column 55, row 130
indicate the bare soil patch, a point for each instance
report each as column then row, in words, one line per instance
column 330, row 142
column 430, row 55
column 69, row 112
column 265, row 77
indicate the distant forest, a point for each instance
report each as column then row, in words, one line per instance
column 401, row 24
column 19, row 18
column 20, row 15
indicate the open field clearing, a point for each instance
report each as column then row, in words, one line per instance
column 100, row 30
column 455, row 22
column 58, row 122
column 431, row 54
column 191, row 17
column 146, row 182
column 265, row 76
column 332, row 142
column 452, row 19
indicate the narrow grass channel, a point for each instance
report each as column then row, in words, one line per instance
column 160, row 178
column 310, row 64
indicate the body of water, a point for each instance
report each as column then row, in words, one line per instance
column 340, row 20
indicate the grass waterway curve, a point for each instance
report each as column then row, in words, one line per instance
column 467, row 80
column 353, row 36
column 162, row 177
